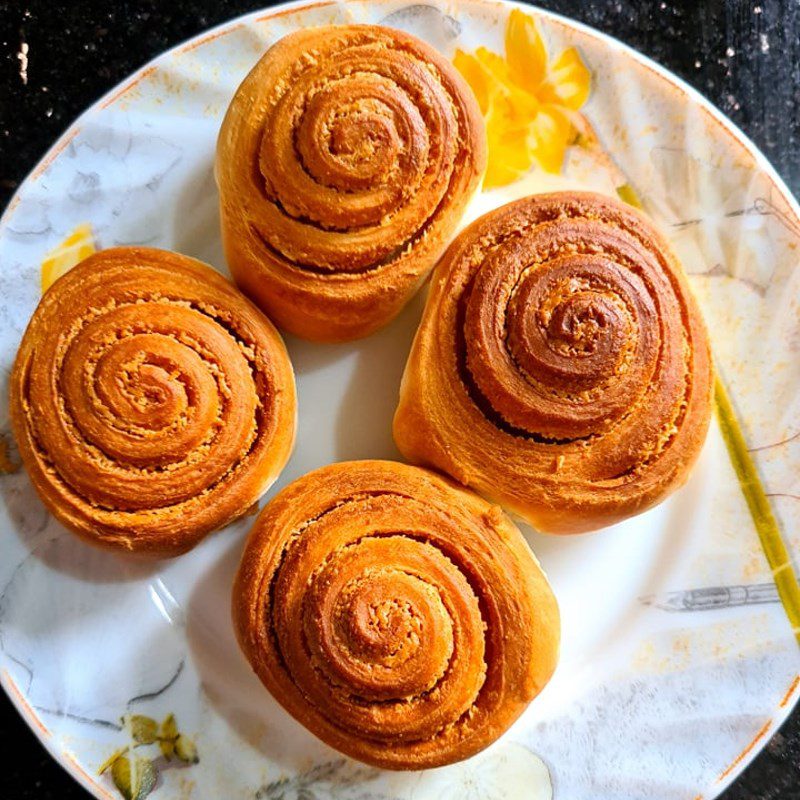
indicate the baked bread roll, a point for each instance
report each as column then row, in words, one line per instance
column 401, row 619
column 344, row 163
column 151, row 401
column 561, row 367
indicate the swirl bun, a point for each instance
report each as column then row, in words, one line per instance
column 401, row 619
column 562, row 366
column 344, row 163
column 152, row 403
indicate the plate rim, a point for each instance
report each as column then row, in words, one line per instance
column 791, row 698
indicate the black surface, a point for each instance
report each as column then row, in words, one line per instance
column 744, row 56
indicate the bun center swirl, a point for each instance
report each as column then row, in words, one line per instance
column 150, row 395
column 373, row 144
column 387, row 631
column 562, row 329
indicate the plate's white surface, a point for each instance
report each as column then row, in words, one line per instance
column 647, row 702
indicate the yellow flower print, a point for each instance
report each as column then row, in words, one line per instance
column 528, row 101
column 62, row 258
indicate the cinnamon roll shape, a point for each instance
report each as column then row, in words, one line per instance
column 400, row 618
column 344, row 163
column 561, row 367
column 151, row 401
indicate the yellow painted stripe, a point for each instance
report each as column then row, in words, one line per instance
column 766, row 525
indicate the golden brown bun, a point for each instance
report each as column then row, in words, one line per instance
column 400, row 618
column 344, row 163
column 151, row 401
column 562, row 367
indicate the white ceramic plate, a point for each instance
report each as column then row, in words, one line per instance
column 678, row 660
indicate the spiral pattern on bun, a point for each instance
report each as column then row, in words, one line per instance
column 562, row 367
column 344, row 163
column 151, row 401
column 401, row 619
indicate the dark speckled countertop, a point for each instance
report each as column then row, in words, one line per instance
column 743, row 55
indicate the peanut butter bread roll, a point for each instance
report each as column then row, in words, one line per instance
column 344, row 163
column 562, row 368
column 400, row 618
column 152, row 402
